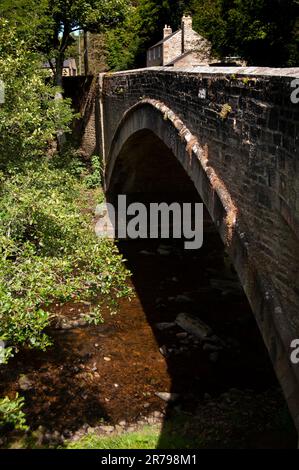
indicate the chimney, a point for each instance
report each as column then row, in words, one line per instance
column 186, row 27
column 186, row 22
column 167, row 31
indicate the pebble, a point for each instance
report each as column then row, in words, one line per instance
column 107, row 359
column 145, row 252
column 25, row 383
column 107, row 429
column 211, row 347
column 167, row 396
column 182, row 335
column 182, row 298
column 164, row 351
column 151, row 420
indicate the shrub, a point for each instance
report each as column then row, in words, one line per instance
column 11, row 413
column 49, row 253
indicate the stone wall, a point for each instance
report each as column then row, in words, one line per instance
column 82, row 91
column 172, row 47
column 248, row 127
column 192, row 41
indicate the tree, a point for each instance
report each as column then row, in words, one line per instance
column 75, row 15
column 28, row 19
column 127, row 44
column 123, row 43
column 153, row 15
column 30, row 116
column 57, row 20
column 261, row 31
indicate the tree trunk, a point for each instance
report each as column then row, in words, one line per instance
column 86, row 64
column 58, row 96
column 59, row 69
column 61, row 48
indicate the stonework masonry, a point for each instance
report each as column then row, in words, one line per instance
column 172, row 48
column 236, row 133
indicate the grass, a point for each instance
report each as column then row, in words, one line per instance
column 146, row 437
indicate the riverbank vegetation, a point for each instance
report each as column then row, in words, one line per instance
column 49, row 252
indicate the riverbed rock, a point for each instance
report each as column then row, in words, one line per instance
column 164, row 351
column 163, row 252
column 182, row 298
column 167, row 396
column 164, row 325
column 146, row 253
column 193, row 325
column 151, row 420
column 25, row 383
column 39, row 435
column 106, row 429
column 214, row 339
column 182, row 335
column 208, row 347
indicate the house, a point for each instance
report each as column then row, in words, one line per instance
column 69, row 67
column 182, row 48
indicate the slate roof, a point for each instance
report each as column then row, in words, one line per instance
column 165, row 39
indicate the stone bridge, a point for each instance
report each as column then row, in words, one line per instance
column 235, row 133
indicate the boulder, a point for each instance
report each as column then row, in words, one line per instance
column 193, row 325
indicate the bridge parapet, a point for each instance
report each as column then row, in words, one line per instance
column 247, row 110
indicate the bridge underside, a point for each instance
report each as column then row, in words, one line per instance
column 149, row 132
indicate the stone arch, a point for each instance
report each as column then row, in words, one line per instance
column 155, row 116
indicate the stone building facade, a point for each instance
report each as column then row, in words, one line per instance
column 69, row 67
column 181, row 48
